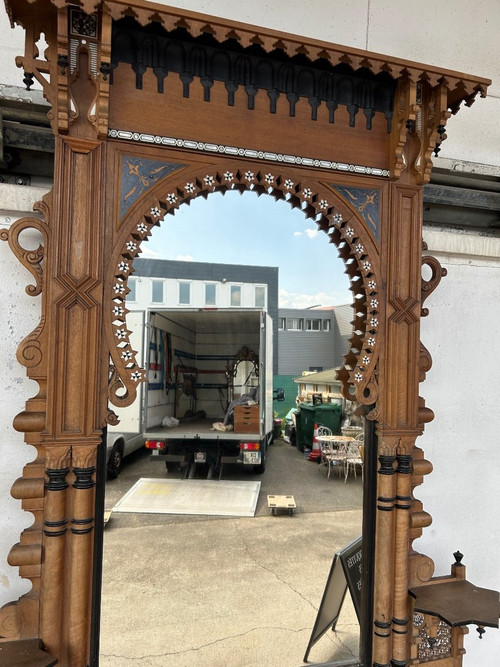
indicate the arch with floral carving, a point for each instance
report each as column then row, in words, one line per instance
column 346, row 230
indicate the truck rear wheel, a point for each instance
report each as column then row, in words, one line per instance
column 115, row 460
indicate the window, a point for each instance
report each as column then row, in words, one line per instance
column 185, row 293
column 295, row 324
column 210, row 294
column 235, row 295
column 157, row 291
column 260, row 296
column 326, row 325
column 281, row 323
column 313, row 325
column 132, row 285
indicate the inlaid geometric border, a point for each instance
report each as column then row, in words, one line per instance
column 247, row 153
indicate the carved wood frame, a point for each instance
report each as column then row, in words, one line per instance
column 82, row 267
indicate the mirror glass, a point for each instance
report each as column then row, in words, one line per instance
column 247, row 584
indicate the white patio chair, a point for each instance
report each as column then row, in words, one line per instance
column 336, row 458
column 354, row 459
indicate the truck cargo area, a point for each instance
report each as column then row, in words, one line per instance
column 208, row 401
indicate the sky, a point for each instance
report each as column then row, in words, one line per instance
column 246, row 229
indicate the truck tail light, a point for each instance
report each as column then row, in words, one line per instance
column 249, row 446
column 155, row 444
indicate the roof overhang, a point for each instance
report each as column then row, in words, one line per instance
column 461, row 88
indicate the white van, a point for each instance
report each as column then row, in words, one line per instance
column 119, row 445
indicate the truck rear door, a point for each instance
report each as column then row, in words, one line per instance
column 266, row 370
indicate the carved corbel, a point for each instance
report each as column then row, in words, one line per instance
column 405, row 116
column 421, row 113
column 74, row 68
column 37, row 64
column 84, row 57
column 435, row 114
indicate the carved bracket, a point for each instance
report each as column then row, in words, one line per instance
column 437, row 272
column 421, row 113
column 73, row 70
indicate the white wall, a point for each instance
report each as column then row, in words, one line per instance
column 460, row 332
column 463, row 441
column 20, row 315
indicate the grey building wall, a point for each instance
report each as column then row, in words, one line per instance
column 264, row 275
column 342, row 329
column 304, row 350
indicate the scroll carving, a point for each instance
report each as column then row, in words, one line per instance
column 30, row 350
column 10, row 623
column 437, row 272
column 31, row 259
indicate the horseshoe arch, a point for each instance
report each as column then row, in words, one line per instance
column 346, row 230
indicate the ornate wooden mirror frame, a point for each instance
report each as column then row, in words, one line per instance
column 153, row 106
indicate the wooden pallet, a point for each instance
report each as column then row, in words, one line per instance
column 286, row 503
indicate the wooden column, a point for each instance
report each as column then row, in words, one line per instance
column 399, row 425
column 65, row 354
column 77, row 385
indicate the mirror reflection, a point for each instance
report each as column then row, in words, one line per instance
column 221, row 569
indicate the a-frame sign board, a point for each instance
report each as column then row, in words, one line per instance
column 345, row 573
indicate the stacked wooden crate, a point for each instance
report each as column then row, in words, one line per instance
column 246, row 418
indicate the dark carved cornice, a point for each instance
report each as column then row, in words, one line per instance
column 253, row 70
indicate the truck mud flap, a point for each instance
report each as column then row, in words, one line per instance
column 226, row 459
column 175, row 458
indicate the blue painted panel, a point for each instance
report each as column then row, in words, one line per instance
column 138, row 176
column 366, row 202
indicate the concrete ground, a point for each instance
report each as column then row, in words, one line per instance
column 186, row 591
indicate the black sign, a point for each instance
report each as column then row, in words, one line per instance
column 351, row 558
column 344, row 573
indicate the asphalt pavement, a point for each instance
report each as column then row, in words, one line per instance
column 189, row 591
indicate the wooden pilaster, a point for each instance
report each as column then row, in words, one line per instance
column 399, row 423
column 76, row 400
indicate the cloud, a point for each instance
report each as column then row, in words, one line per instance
column 310, row 233
column 184, row 258
column 297, row 300
column 148, row 253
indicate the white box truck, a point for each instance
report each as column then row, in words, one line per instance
column 209, row 396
